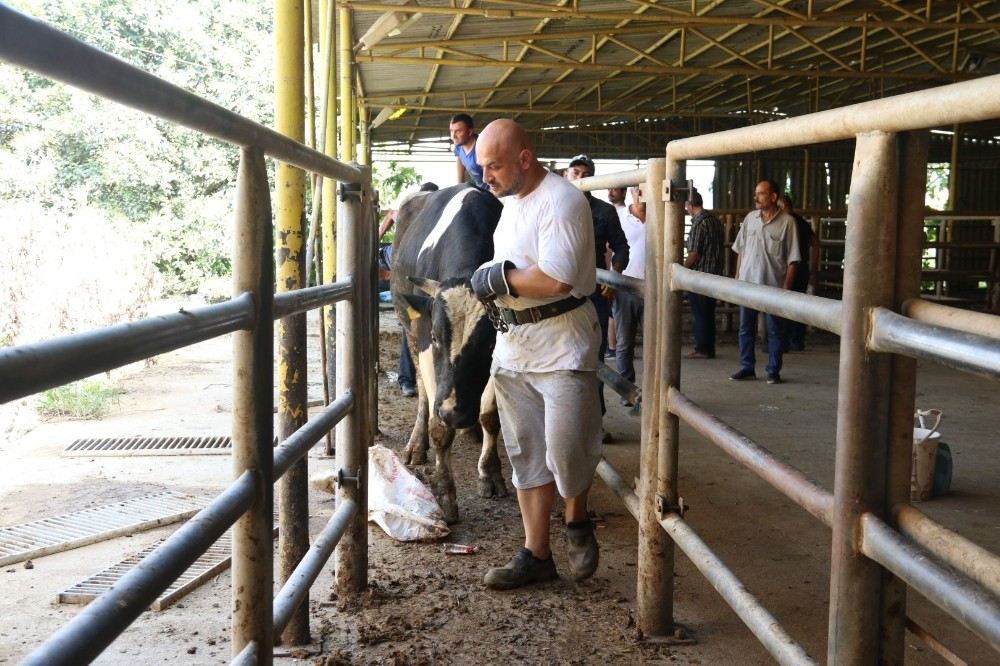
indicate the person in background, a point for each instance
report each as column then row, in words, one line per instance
column 407, row 372
column 463, row 139
column 768, row 249
column 616, row 196
column 607, row 233
column 628, row 307
column 704, row 253
column 796, row 331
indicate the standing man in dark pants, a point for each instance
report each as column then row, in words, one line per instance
column 704, row 253
column 607, row 231
column 768, row 249
column 628, row 308
column 796, row 330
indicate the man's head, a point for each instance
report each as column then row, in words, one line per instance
column 616, row 195
column 461, row 129
column 694, row 202
column 580, row 166
column 786, row 204
column 508, row 159
column 765, row 196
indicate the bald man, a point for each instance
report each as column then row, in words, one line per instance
column 545, row 360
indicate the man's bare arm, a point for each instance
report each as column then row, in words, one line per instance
column 459, row 170
column 790, row 274
column 531, row 282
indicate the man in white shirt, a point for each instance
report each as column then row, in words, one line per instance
column 628, row 308
column 545, row 360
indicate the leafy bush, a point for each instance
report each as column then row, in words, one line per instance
column 87, row 399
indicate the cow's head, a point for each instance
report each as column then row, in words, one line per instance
column 455, row 347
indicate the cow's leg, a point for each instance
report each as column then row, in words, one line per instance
column 415, row 452
column 443, row 483
column 491, row 483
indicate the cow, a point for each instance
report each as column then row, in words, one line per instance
column 441, row 239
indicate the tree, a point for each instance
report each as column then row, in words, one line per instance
column 390, row 185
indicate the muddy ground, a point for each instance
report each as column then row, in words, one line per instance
column 425, row 607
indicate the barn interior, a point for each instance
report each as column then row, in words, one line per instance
column 614, row 80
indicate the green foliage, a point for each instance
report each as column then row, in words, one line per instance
column 938, row 174
column 391, row 182
column 64, row 150
column 87, row 399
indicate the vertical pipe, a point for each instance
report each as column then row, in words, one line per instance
column 328, row 39
column 352, row 450
column 292, row 489
column 863, row 402
column 346, row 85
column 253, row 379
column 909, row 248
column 654, row 593
column 956, row 141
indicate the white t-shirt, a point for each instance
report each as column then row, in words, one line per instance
column 551, row 227
column 635, row 234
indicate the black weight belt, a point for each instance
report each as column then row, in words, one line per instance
column 535, row 315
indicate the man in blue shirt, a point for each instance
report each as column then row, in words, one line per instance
column 463, row 140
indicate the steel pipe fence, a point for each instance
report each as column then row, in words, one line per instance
column 30, row 368
column 294, row 591
column 816, row 311
column 896, row 334
column 615, row 280
column 32, row 44
column 976, row 608
column 872, row 562
column 84, row 637
column 791, row 482
column 247, row 504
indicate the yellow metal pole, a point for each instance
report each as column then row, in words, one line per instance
column 328, row 45
column 289, row 119
column 346, row 68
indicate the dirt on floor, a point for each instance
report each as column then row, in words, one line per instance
column 424, row 606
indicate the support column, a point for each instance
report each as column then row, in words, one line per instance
column 328, row 39
column 353, row 439
column 655, row 568
column 909, row 249
column 253, row 379
column 292, row 489
column 956, row 142
column 346, row 69
column 863, row 403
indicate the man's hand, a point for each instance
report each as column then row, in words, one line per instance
column 488, row 282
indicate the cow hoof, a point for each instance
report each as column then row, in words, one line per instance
column 450, row 512
column 492, row 487
column 414, row 457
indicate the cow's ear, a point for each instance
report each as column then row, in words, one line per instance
column 427, row 285
column 416, row 305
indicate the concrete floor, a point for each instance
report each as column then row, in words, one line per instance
column 778, row 550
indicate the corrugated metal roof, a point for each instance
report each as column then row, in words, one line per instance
column 681, row 66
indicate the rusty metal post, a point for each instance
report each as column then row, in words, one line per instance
column 351, row 571
column 372, row 339
column 909, row 248
column 292, row 490
column 655, row 567
column 253, row 379
column 863, row 403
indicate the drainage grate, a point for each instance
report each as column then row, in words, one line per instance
column 149, row 446
column 54, row 535
column 215, row 560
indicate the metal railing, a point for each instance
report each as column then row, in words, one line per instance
column 881, row 544
column 247, row 504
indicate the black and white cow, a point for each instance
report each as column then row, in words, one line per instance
column 441, row 238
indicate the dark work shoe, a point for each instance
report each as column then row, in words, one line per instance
column 407, row 390
column 523, row 569
column 581, row 549
column 743, row 373
column 774, row 378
